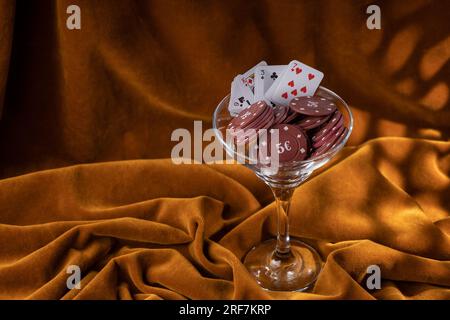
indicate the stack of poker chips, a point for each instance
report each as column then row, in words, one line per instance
column 309, row 127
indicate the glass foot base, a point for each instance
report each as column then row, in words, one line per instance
column 296, row 271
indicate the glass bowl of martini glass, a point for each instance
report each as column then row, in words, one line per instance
column 283, row 263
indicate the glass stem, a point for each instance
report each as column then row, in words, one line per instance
column 283, row 197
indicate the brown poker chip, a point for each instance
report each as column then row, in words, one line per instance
column 336, row 120
column 280, row 113
column 247, row 116
column 312, row 106
column 294, row 148
column 309, row 123
column 250, row 133
column 308, row 127
column 329, row 136
column 330, row 143
column 262, row 119
column 340, row 138
column 292, row 117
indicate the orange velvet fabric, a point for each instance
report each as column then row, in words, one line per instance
column 86, row 119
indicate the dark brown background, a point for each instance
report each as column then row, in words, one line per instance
column 147, row 229
column 137, row 70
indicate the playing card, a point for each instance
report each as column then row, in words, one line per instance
column 241, row 96
column 248, row 78
column 234, row 93
column 297, row 80
column 265, row 76
column 269, row 92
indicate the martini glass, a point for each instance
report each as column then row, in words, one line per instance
column 283, row 264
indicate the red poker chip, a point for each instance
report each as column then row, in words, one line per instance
column 249, row 135
column 263, row 118
column 287, row 146
column 309, row 123
column 336, row 120
column 341, row 137
column 302, row 138
column 334, row 134
column 307, row 119
column 247, row 116
column 267, row 124
column 303, row 150
column 324, row 148
column 330, row 143
column 328, row 136
column 296, row 133
column 246, row 136
column 291, row 117
column 280, row 113
column 312, row 106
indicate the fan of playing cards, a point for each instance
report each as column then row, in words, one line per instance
column 284, row 98
column 276, row 85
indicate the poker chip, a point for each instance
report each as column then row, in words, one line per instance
column 263, row 118
column 328, row 136
column 312, row 106
column 335, row 121
column 246, row 137
column 293, row 143
column 328, row 145
column 308, row 128
column 246, row 125
column 340, row 138
column 309, row 122
column 280, row 113
column 247, row 116
column 291, row 117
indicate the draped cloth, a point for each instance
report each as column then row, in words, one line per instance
column 85, row 128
